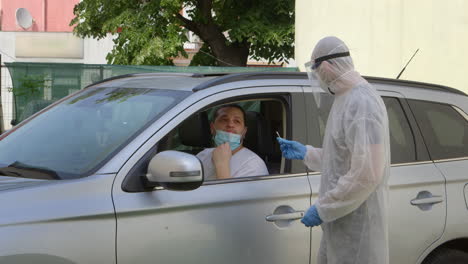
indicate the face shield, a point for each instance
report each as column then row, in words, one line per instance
column 325, row 77
column 329, row 59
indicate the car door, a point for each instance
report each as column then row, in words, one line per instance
column 444, row 127
column 240, row 220
column 417, row 188
column 318, row 107
column 417, row 193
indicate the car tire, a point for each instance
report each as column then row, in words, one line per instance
column 447, row 255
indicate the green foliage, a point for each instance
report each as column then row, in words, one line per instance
column 149, row 33
column 152, row 31
column 120, row 95
column 268, row 25
column 204, row 57
column 30, row 86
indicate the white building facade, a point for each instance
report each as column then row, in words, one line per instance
column 383, row 35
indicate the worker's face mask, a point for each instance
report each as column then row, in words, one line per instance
column 222, row 137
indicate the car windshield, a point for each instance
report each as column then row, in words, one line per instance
column 75, row 137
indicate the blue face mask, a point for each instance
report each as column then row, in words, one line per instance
column 222, row 137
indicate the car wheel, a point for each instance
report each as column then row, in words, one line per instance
column 447, row 255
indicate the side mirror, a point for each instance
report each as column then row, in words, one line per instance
column 174, row 170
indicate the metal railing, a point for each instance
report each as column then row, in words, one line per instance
column 6, row 102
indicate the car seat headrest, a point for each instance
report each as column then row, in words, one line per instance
column 257, row 132
column 195, row 131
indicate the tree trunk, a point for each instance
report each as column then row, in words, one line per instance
column 232, row 55
column 226, row 52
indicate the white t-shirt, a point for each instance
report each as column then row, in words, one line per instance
column 244, row 163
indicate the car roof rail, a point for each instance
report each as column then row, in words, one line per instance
column 227, row 78
column 415, row 84
column 234, row 77
column 186, row 74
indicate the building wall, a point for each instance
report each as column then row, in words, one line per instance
column 48, row 15
column 383, row 35
column 57, row 19
column 94, row 52
column 50, row 39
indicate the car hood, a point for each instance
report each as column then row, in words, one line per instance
column 8, row 183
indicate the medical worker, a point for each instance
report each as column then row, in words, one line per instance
column 354, row 162
column 230, row 159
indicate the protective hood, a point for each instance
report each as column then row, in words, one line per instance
column 332, row 66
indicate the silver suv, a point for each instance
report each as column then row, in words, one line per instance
column 108, row 174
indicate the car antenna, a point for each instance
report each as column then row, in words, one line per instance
column 404, row 68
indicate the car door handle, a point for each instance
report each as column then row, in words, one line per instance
column 425, row 200
column 288, row 216
column 430, row 200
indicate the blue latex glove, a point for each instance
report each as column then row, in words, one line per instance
column 311, row 217
column 292, row 149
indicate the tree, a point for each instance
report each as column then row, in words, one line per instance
column 153, row 31
column 204, row 57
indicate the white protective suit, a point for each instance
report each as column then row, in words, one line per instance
column 354, row 161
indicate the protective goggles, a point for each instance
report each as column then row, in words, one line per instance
column 316, row 63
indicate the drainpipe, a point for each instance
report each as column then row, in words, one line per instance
column 1, row 107
column 45, row 15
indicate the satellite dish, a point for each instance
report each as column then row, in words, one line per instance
column 24, row 18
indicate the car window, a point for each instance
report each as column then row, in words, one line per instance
column 263, row 118
column 76, row 136
column 402, row 143
column 324, row 103
column 445, row 131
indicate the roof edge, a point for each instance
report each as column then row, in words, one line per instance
column 235, row 77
